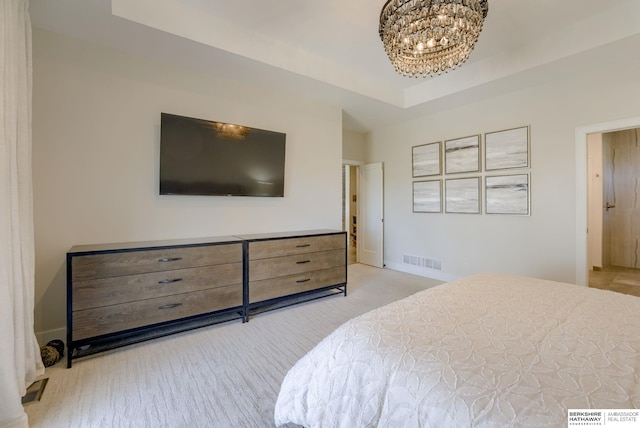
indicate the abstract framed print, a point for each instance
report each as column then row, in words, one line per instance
column 506, row 149
column 426, row 159
column 462, row 155
column 427, row 196
column 507, row 194
column 462, row 195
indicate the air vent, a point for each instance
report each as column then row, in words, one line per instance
column 422, row 262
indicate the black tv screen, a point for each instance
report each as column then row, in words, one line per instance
column 203, row 157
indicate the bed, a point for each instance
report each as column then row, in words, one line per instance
column 485, row 351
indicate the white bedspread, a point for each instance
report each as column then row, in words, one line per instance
column 488, row 350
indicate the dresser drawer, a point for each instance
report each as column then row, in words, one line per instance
column 292, row 284
column 290, row 265
column 292, row 246
column 121, row 289
column 135, row 262
column 125, row 316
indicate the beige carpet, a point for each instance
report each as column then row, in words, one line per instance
column 226, row 375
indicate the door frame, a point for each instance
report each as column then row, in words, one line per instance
column 581, row 133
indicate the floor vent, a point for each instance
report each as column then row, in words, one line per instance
column 422, row 262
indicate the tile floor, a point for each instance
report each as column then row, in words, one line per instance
column 352, row 255
column 620, row 279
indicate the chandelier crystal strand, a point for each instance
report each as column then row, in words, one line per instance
column 428, row 37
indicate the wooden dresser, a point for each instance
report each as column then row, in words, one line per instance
column 284, row 267
column 118, row 294
column 123, row 293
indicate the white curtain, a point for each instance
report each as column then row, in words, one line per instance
column 20, row 361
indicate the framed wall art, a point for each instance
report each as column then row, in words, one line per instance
column 462, row 155
column 426, row 159
column 506, row 149
column 462, row 195
column 507, row 194
column 427, row 196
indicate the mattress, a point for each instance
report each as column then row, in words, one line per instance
column 487, row 350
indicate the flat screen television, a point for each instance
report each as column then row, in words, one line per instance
column 203, row 157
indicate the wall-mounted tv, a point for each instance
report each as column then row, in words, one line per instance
column 203, row 157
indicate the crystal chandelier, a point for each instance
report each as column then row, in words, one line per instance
column 427, row 37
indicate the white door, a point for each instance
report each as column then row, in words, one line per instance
column 371, row 219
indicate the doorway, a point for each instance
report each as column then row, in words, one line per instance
column 583, row 263
column 614, row 210
column 350, row 175
column 363, row 207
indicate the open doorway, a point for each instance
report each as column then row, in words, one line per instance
column 581, row 134
column 350, row 175
column 363, row 197
column 613, row 213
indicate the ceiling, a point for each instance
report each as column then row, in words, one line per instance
column 330, row 50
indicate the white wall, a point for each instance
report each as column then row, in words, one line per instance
column 541, row 245
column 96, row 125
column 354, row 146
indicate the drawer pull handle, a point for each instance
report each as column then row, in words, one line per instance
column 169, row 281
column 303, row 280
column 303, row 262
column 303, row 245
column 170, row 306
column 169, row 259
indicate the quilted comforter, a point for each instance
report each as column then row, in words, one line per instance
column 489, row 350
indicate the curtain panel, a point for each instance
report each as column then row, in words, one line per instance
column 20, row 361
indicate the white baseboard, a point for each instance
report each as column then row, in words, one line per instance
column 44, row 337
column 420, row 271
